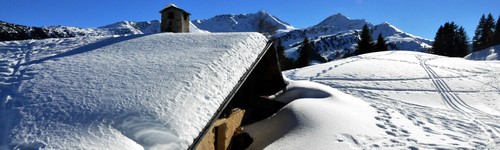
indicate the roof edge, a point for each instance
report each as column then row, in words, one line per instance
column 226, row 101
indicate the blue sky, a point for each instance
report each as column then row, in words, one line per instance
column 418, row 17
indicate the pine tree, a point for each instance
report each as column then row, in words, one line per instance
column 496, row 36
column 476, row 43
column 284, row 62
column 449, row 34
column 490, row 26
column 439, row 44
column 450, row 40
column 445, row 40
column 461, row 43
column 305, row 52
column 483, row 37
column 381, row 44
column 365, row 44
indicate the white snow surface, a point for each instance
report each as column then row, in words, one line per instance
column 133, row 92
column 387, row 100
column 490, row 53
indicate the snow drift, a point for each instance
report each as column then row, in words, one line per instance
column 486, row 54
column 316, row 117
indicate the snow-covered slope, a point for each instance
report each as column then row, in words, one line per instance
column 135, row 92
column 261, row 21
column 337, row 36
column 486, row 54
column 409, row 100
column 399, row 39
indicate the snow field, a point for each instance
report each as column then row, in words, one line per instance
column 420, row 101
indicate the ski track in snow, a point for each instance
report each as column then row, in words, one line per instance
column 456, row 103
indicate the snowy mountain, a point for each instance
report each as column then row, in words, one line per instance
column 333, row 38
column 342, row 22
column 337, row 36
column 261, row 21
column 490, row 53
column 130, row 27
column 10, row 31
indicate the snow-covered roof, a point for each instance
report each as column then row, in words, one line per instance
column 172, row 5
column 145, row 92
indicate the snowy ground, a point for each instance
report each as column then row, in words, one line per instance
column 408, row 100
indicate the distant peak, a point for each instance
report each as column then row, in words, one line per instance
column 339, row 15
column 386, row 25
column 386, row 29
column 341, row 21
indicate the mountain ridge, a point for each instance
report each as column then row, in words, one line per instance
column 261, row 21
column 335, row 37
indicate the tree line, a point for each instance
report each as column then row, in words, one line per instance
column 307, row 55
column 451, row 39
column 366, row 44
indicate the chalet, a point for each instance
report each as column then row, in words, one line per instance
column 157, row 91
column 174, row 19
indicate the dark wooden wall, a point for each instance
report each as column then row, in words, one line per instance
column 265, row 79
